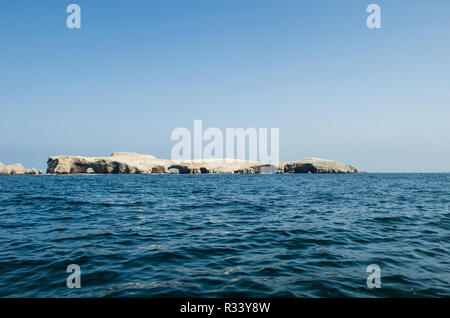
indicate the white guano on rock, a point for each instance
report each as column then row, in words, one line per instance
column 134, row 163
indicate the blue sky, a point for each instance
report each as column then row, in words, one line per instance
column 377, row 99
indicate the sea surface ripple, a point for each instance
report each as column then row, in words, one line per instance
column 225, row 235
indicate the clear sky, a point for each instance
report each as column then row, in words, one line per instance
column 378, row 99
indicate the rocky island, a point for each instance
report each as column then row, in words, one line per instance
column 16, row 169
column 134, row 163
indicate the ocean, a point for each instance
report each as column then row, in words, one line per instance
column 292, row 235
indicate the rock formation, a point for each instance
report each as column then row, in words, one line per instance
column 317, row 165
column 133, row 163
column 15, row 169
column 3, row 169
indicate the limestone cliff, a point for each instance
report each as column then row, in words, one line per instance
column 133, row 163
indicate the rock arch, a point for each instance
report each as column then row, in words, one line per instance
column 181, row 169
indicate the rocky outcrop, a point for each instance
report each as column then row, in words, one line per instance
column 134, row 163
column 15, row 169
column 117, row 163
column 317, row 165
column 3, row 169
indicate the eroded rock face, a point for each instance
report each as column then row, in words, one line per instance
column 134, row 163
column 15, row 169
column 317, row 165
column 3, row 169
column 117, row 163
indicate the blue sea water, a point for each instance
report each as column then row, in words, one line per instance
column 300, row 235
